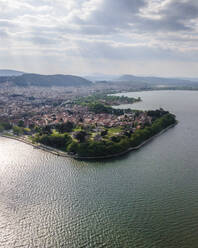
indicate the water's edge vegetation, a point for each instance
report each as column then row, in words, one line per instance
column 99, row 150
column 91, row 128
column 110, row 148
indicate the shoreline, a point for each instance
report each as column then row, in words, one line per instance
column 57, row 152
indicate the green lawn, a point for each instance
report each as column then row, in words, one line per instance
column 114, row 130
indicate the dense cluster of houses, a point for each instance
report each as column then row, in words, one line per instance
column 39, row 109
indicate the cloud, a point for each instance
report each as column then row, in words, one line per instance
column 137, row 16
column 173, row 15
column 95, row 30
column 125, row 52
column 110, row 16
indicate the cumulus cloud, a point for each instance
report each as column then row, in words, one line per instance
column 171, row 15
column 87, row 31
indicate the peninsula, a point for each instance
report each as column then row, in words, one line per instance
column 89, row 127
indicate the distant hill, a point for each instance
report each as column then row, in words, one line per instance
column 129, row 81
column 156, row 80
column 8, row 73
column 193, row 79
column 46, row 80
column 100, row 77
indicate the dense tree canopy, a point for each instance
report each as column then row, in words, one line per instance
column 82, row 146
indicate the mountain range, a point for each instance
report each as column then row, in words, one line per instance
column 157, row 80
column 29, row 79
column 18, row 78
column 9, row 73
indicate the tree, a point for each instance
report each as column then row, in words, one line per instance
column 80, row 136
column 56, row 140
column 21, row 123
column 17, row 130
column 1, row 128
column 116, row 138
column 46, row 129
column 6, row 125
column 72, row 147
column 65, row 127
column 32, row 126
column 104, row 132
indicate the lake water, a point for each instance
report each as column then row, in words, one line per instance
column 146, row 199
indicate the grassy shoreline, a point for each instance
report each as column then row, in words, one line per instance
column 65, row 154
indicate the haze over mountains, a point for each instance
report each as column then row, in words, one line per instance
column 151, row 80
column 7, row 73
column 18, row 78
column 101, row 77
column 45, row 80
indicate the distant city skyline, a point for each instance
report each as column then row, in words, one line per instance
column 82, row 37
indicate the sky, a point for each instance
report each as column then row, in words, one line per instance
column 140, row 37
